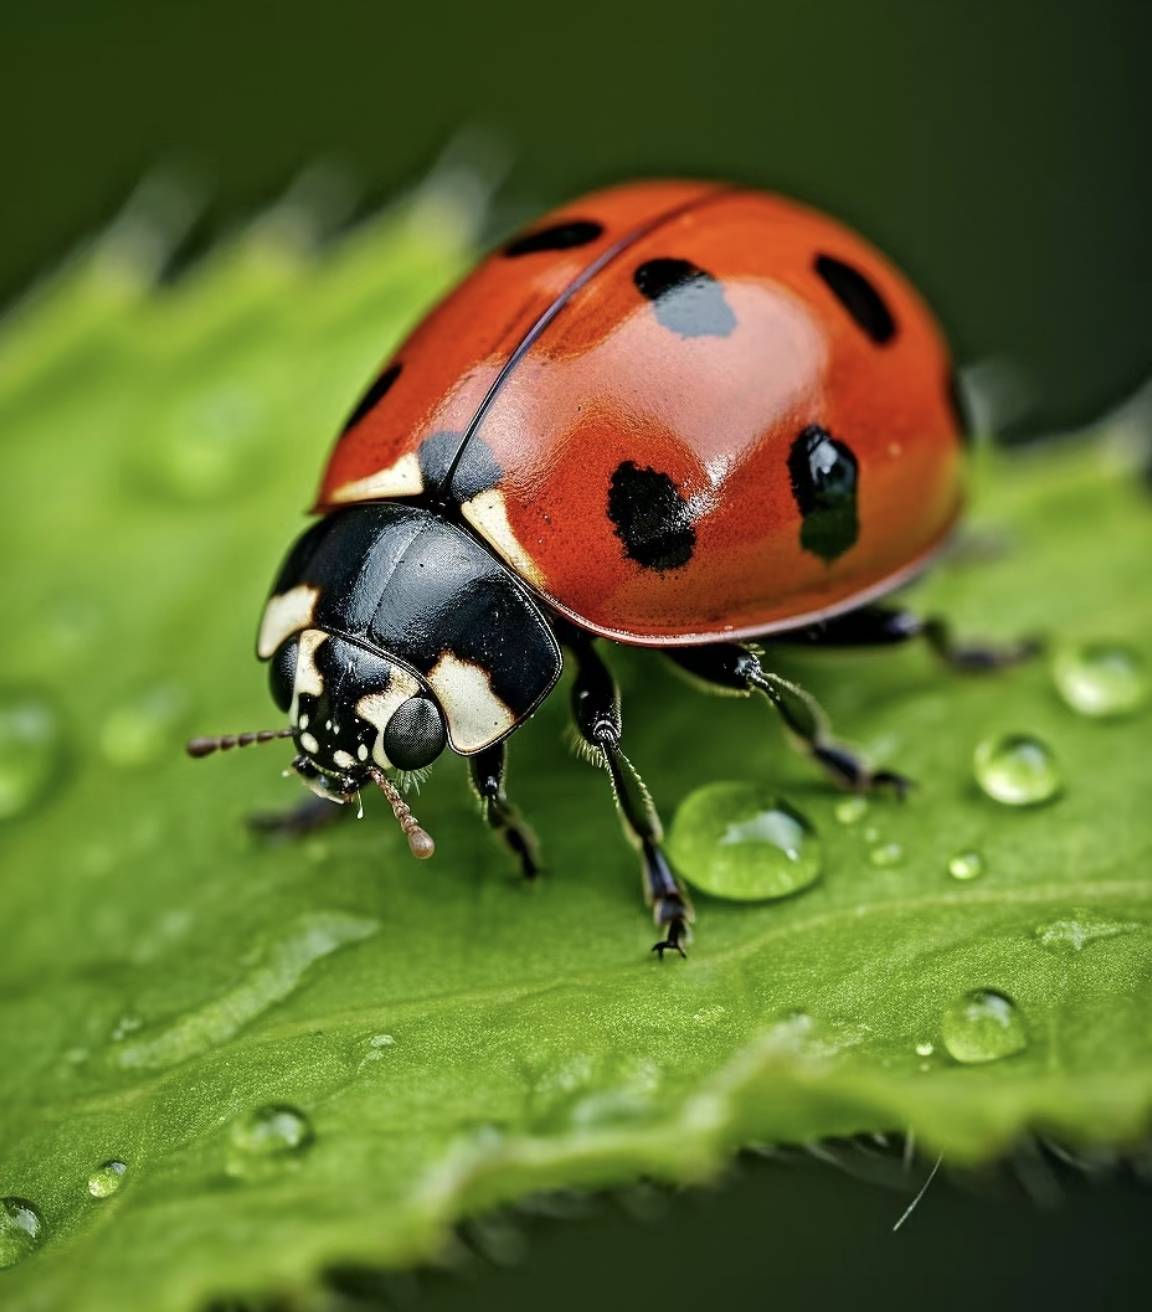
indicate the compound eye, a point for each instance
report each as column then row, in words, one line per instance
column 414, row 736
column 282, row 672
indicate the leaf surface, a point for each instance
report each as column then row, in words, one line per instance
column 448, row 1038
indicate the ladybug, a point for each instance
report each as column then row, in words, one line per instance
column 680, row 415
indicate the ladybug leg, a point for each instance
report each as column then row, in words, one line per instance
column 882, row 626
column 487, row 772
column 596, row 709
column 730, row 667
column 305, row 818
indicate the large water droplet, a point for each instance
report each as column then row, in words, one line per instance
column 266, row 1138
column 30, row 749
column 966, row 865
column 736, row 841
column 106, row 1180
column 1101, row 680
column 146, row 728
column 983, row 1026
column 21, row 1230
column 1017, row 770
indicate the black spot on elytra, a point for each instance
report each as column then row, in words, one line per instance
column 859, row 297
column 476, row 470
column 686, row 299
column 651, row 517
column 559, row 237
column 374, row 394
column 824, row 477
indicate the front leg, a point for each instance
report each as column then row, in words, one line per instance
column 307, row 817
column 884, row 626
column 596, row 709
column 731, row 667
column 487, row 769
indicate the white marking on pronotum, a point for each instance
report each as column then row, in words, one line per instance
column 309, row 743
column 403, row 479
column 379, row 707
column 362, row 751
column 476, row 716
column 345, row 760
column 285, row 615
column 307, row 679
column 487, row 512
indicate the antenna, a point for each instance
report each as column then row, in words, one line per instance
column 206, row 746
column 420, row 842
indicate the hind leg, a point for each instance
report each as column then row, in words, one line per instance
column 734, row 668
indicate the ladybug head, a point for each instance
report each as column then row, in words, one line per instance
column 353, row 717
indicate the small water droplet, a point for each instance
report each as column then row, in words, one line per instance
column 207, row 448
column 925, row 1049
column 737, row 841
column 966, row 865
column 127, row 1024
column 30, row 749
column 609, row 1107
column 106, row 1180
column 1101, row 680
column 1076, row 932
column 886, row 854
column 850, row 809
column 267, row 1137
column 1017, row 770
column 21, row 1230
column 983, row 1026
column 146, row 728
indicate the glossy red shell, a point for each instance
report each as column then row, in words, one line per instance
column 563, row 370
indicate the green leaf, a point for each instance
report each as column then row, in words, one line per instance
column 324, row 1052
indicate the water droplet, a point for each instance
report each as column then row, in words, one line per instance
column 378, row 1046
column 850, row 809
column 1017, row 770
column 127, row 1024
column 736, row 841
column 983, row 1026
column 925, row 1049
column 1076, row 932
column 30, row 743
column 146, row 728
column 886, row 854
column 20, row 1230
column 266, row 1138
column 966, row 865
column 1101, row 680
column 609, row 1107
column 206, row 450
column 106, row 1180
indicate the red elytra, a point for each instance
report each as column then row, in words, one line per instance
column 615, row 403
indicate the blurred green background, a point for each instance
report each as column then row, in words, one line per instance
column 998, row 150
